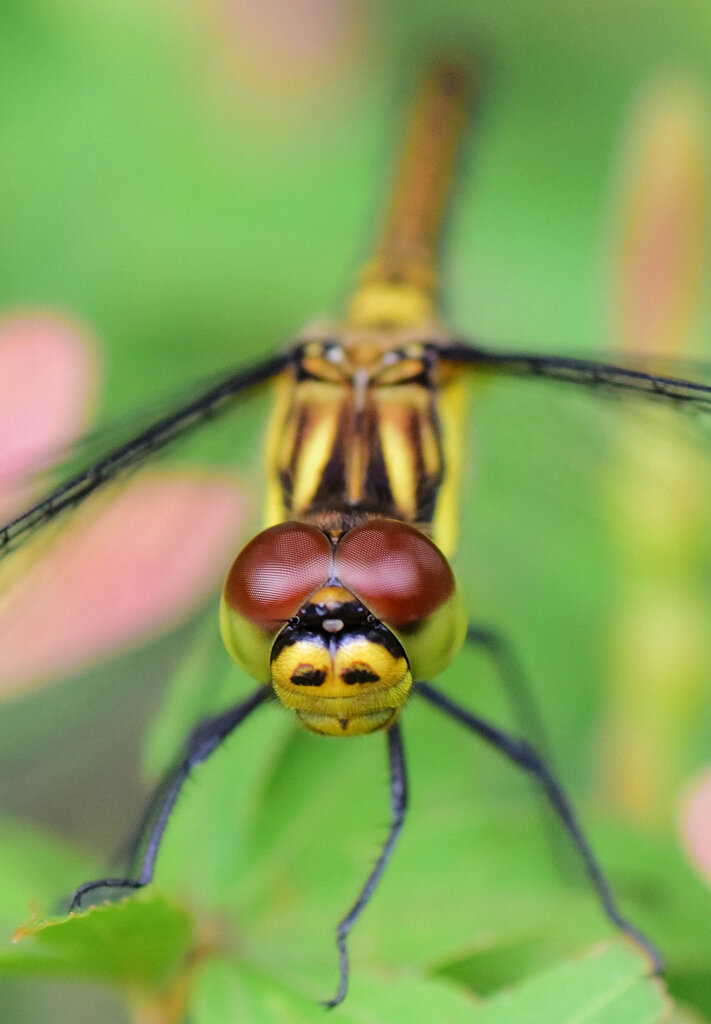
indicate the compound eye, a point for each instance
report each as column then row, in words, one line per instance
column 276, row 572
column 397, row 572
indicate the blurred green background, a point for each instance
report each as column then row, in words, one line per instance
column 195, row 181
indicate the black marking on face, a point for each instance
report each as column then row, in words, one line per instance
column 359, row 673
column 307, row 626
column 307, row 675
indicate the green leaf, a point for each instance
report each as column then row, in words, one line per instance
column 609, row 986
column 141, row 943
column 675, row 904
column 241, row 992
column 36, row 870
column 684, row 1015
column 278, row 829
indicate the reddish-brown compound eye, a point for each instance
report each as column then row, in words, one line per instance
column 397, row 572
column 276, row 572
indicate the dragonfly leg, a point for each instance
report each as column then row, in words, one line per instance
column 526, row 757
column 398, row 805
column 202, row 741
column 516, row 685
column 526, row 713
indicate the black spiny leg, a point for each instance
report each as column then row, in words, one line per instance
column 513, row 680
column 398, row 805
column 526, row 712
column 522, row 754
column 203, row 740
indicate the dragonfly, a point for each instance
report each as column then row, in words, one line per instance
column 344, row 608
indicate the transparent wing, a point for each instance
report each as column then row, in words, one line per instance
column 133, row 451
column 680, row 384
column 609, row 378
column 616, row 376
column 588, row 533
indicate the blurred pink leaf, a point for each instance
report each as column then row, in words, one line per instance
column 47, row 378
column 658, row 639
column 125, row 566
column 281, row 47
column 695, row 823
column 664, row 196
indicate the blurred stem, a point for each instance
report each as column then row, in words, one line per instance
column 657, row 489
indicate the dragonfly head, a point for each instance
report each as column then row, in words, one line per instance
column 340, row 624
column 340, row 669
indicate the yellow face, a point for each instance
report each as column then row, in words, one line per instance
column 340, row 625
column 340, row 673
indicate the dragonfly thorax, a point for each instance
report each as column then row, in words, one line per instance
column 367, row 421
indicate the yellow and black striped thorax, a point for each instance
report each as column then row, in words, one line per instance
column 367, row 425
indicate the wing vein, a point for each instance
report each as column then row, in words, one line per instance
column 214, row 401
